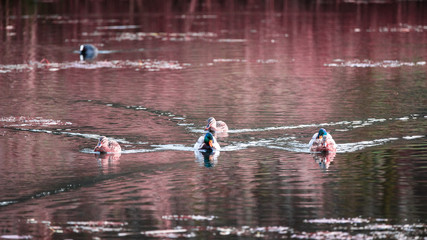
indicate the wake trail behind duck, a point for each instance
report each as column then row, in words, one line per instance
column 284, row 143
column 348, row 124
column 182, row 121
column 74, row 134
column 157, row 148
column 357, row 146
column 290, row 144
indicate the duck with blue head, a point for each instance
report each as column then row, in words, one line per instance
column 207, row 142
column 322, row 141
column 88, row 52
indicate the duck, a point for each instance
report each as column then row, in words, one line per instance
column 207, row 142
column 106, row 145
column 88, row 52
column 322, row 141
column 215, row 126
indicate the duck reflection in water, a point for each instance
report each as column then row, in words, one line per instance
column 207, row 158
column 107, row 160
column 324, row 159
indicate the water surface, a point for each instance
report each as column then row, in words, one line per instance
column 274, row 72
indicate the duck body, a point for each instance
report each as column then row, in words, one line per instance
column 88, row 52
column 106, row 145
column 207, row 142
column 322, row 142
column 215, row 126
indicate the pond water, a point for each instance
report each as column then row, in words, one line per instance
column 274, row 71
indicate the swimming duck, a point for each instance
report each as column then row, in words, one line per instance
column 207, row 142
column 107, row 146
column 88, row 52
column 215, row 126
column 322, row 142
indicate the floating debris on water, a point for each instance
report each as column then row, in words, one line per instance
column 189, row 217
column 82, row 226
column 337, row 220
column 362, row 228
column 187, row 36
column 413, row 137
column 22, row 121
column 328, row 228
column 400, row 28
column 15, row 237
column 228, row 40
column 119, row 27
column 168, row 233
column 373, row 64
column 5, row 203
column 267, row 61
column 228, row 60
column 145, row 64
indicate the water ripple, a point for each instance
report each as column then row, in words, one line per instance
column 345, row 228
column 286, row 143
column 373, row 64
column 143, row 64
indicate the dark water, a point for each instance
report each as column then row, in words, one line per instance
column 275, row 72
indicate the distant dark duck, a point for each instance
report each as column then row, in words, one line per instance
column 207, row 142
column 216, row 126
column 107, row 146
column 322, row 142
column 88, row 52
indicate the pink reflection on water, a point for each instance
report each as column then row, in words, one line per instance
column 108, row 162
column 263, row 63
column 324, row 159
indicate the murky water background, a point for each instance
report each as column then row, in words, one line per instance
column 275, row 72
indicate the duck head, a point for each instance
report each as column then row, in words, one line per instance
column 102, row 140
column 322, row 133
column 209, row 140
column 211, row 124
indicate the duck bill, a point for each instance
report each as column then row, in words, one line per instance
column 98, row 146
